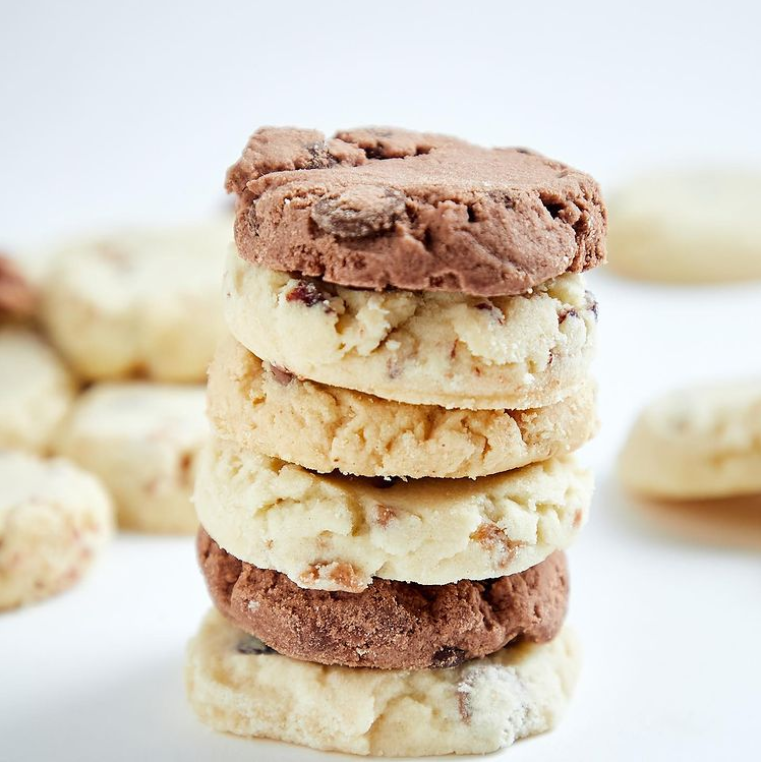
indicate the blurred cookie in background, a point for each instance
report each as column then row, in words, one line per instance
column 36, row 389
column 142, row 440
column 55, row 520
column 143, row 303
column 694, row 458
column 687, row 226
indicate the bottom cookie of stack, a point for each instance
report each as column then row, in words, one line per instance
column 404, row 669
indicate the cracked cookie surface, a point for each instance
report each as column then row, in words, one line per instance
column 236, row 685
column 389, row 625
column 272, row 412
column 330, row 532
column 378, row 207
column 451, row 350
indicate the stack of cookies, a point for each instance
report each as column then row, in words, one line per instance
column 389, row 490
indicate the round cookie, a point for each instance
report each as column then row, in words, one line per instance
column 18, row 299
column 141, row 439
column 55, row 520
column 36, row 390
column 390, row 625
column 141, row 303
column 450, row 350
column 236, row 685
column 337, row 532
column 267, row 410
column 702, row 442
column 688, row 226
column 380, row 207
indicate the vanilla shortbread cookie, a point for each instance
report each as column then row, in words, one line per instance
column 271, row 412
column 337, row 532
column 688, row 226
column 36, row 390
column 142, row 440
column 54, row 521
column 702, row 442
column 457, row 351
column 140, row 303
column 237, row 685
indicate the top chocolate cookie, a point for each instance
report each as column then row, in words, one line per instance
column 379, row 207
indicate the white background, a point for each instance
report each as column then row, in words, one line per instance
column 130, row 112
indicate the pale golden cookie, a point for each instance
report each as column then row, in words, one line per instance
column 271, row 412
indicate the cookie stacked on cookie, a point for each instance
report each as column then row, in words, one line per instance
column 390, row 487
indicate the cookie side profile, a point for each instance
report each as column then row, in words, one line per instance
column 451, row 350
column 55, row 520
column 270, row 411
column 389, row 625
column 36, row 390
column 384, row 207
column 237, row 685
column 142, row 440
column 698, row 226
column 333, row 532
column 697, row 443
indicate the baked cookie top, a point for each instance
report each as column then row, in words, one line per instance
column 378, row 207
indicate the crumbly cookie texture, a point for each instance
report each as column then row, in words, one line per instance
column 390, row 625
column 270, row 411
column 36, row 390
column 55, row 519
column 442, row 349
column 140, row 303
column 142, row 440
column 338, row 532
column 696, row 226
column 702, row 442
column 380, row 207
column 236, row 685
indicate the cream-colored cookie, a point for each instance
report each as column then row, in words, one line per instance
column 54, row 521
column 338, row 532
column 271, row 412
column 688, row 226
column 36, row 390
column 423, row 348
column 702, row 442
column 141, row 303
column 142, row 440
column 236, row 685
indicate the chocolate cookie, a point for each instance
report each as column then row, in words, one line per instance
column 390, row 625
column 388, row 207
column 18, row 298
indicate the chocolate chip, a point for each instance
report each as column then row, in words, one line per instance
column 282, row 375
column 251, row 645
column 383, row 482
column 449, row 656
column 359, row 212
column 306, row 293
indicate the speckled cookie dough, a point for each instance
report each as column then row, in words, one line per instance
column 442, row 349
column 55, row 519
column 142, row 440
column 139, row 303
column 337, row 532
column 236, row 685
column 325, row 428
column 36, row 390
column 702, row 442
column 688, row 226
